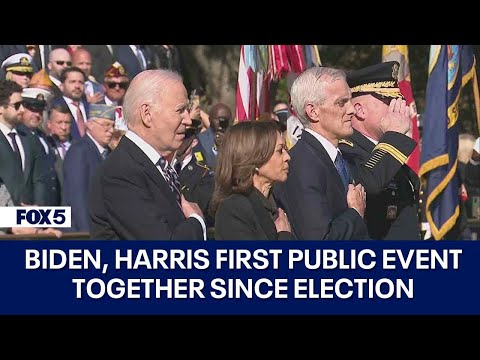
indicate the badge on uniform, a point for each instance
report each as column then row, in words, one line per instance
column 198, row 156
column 391, row 212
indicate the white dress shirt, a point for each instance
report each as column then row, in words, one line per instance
column 5, row 130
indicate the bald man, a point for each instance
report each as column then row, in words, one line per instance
column 135, row 193
column 82, row 59
column 58, row 61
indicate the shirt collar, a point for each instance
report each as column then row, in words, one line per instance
column 148, row 149
column 100, row 148
column 328, row 146
column 6, row 130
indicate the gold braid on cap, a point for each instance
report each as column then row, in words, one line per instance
column 385, row 88
column 20, row 68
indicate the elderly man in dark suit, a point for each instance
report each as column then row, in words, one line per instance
column 82, row 160
column 318, row 195
column 136, row 193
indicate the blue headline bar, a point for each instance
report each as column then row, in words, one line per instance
column 230, row 278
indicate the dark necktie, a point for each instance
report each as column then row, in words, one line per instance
column 178, row 167
column 16, row 150
column 80, row 120
column 171, row 177
column 342, row 170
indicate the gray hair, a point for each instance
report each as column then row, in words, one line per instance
column 309, row 87
column 144, row 88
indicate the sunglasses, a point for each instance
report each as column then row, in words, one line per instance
column 16, row 105
column 121, row 85
column 69, row 63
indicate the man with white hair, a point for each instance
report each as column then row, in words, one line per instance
column 318, row 196
column 136, row 193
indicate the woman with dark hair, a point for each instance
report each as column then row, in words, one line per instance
column 252, row 158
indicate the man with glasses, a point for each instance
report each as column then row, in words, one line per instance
column 59, row 60
column 82, row 159
column 18, row 68
column 19, row 154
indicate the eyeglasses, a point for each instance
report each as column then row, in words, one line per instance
column 16, row 105
column 105, row 126
column 122, row 85
column 60, row 62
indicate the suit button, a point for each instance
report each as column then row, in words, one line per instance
column 54, row 188
column 53, row 177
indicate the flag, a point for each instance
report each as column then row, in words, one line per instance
column 245, row 83
column 400, row 53
column 258, row 66
column 450, row 68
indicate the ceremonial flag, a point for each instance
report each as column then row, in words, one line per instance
column 400, row 53
column 246, row 81
column 450, row 68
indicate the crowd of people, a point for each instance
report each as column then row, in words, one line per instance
column 119, row 139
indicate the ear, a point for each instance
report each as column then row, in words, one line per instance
column 312, row 113
column 194, row 142
column 145, row 115
column 360, row 111
column 61, row 87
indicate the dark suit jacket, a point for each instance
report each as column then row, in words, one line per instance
column 129, row 199
column 391, row 186
column 197, row 184
column 79, row 166
column 45, row 167
column 27, row 186
column 125, row 56
column 314, row 197
column 102, row 59
column 58, row 163
column 247, row 217
column 75, row 133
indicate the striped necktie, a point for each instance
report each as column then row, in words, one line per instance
column 171, row 177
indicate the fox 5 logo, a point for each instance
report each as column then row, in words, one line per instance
column 36, row 216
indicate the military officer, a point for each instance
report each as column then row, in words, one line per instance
column 377, row 152
column 196, row 178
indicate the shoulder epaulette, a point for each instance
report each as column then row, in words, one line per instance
column 346, row 142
